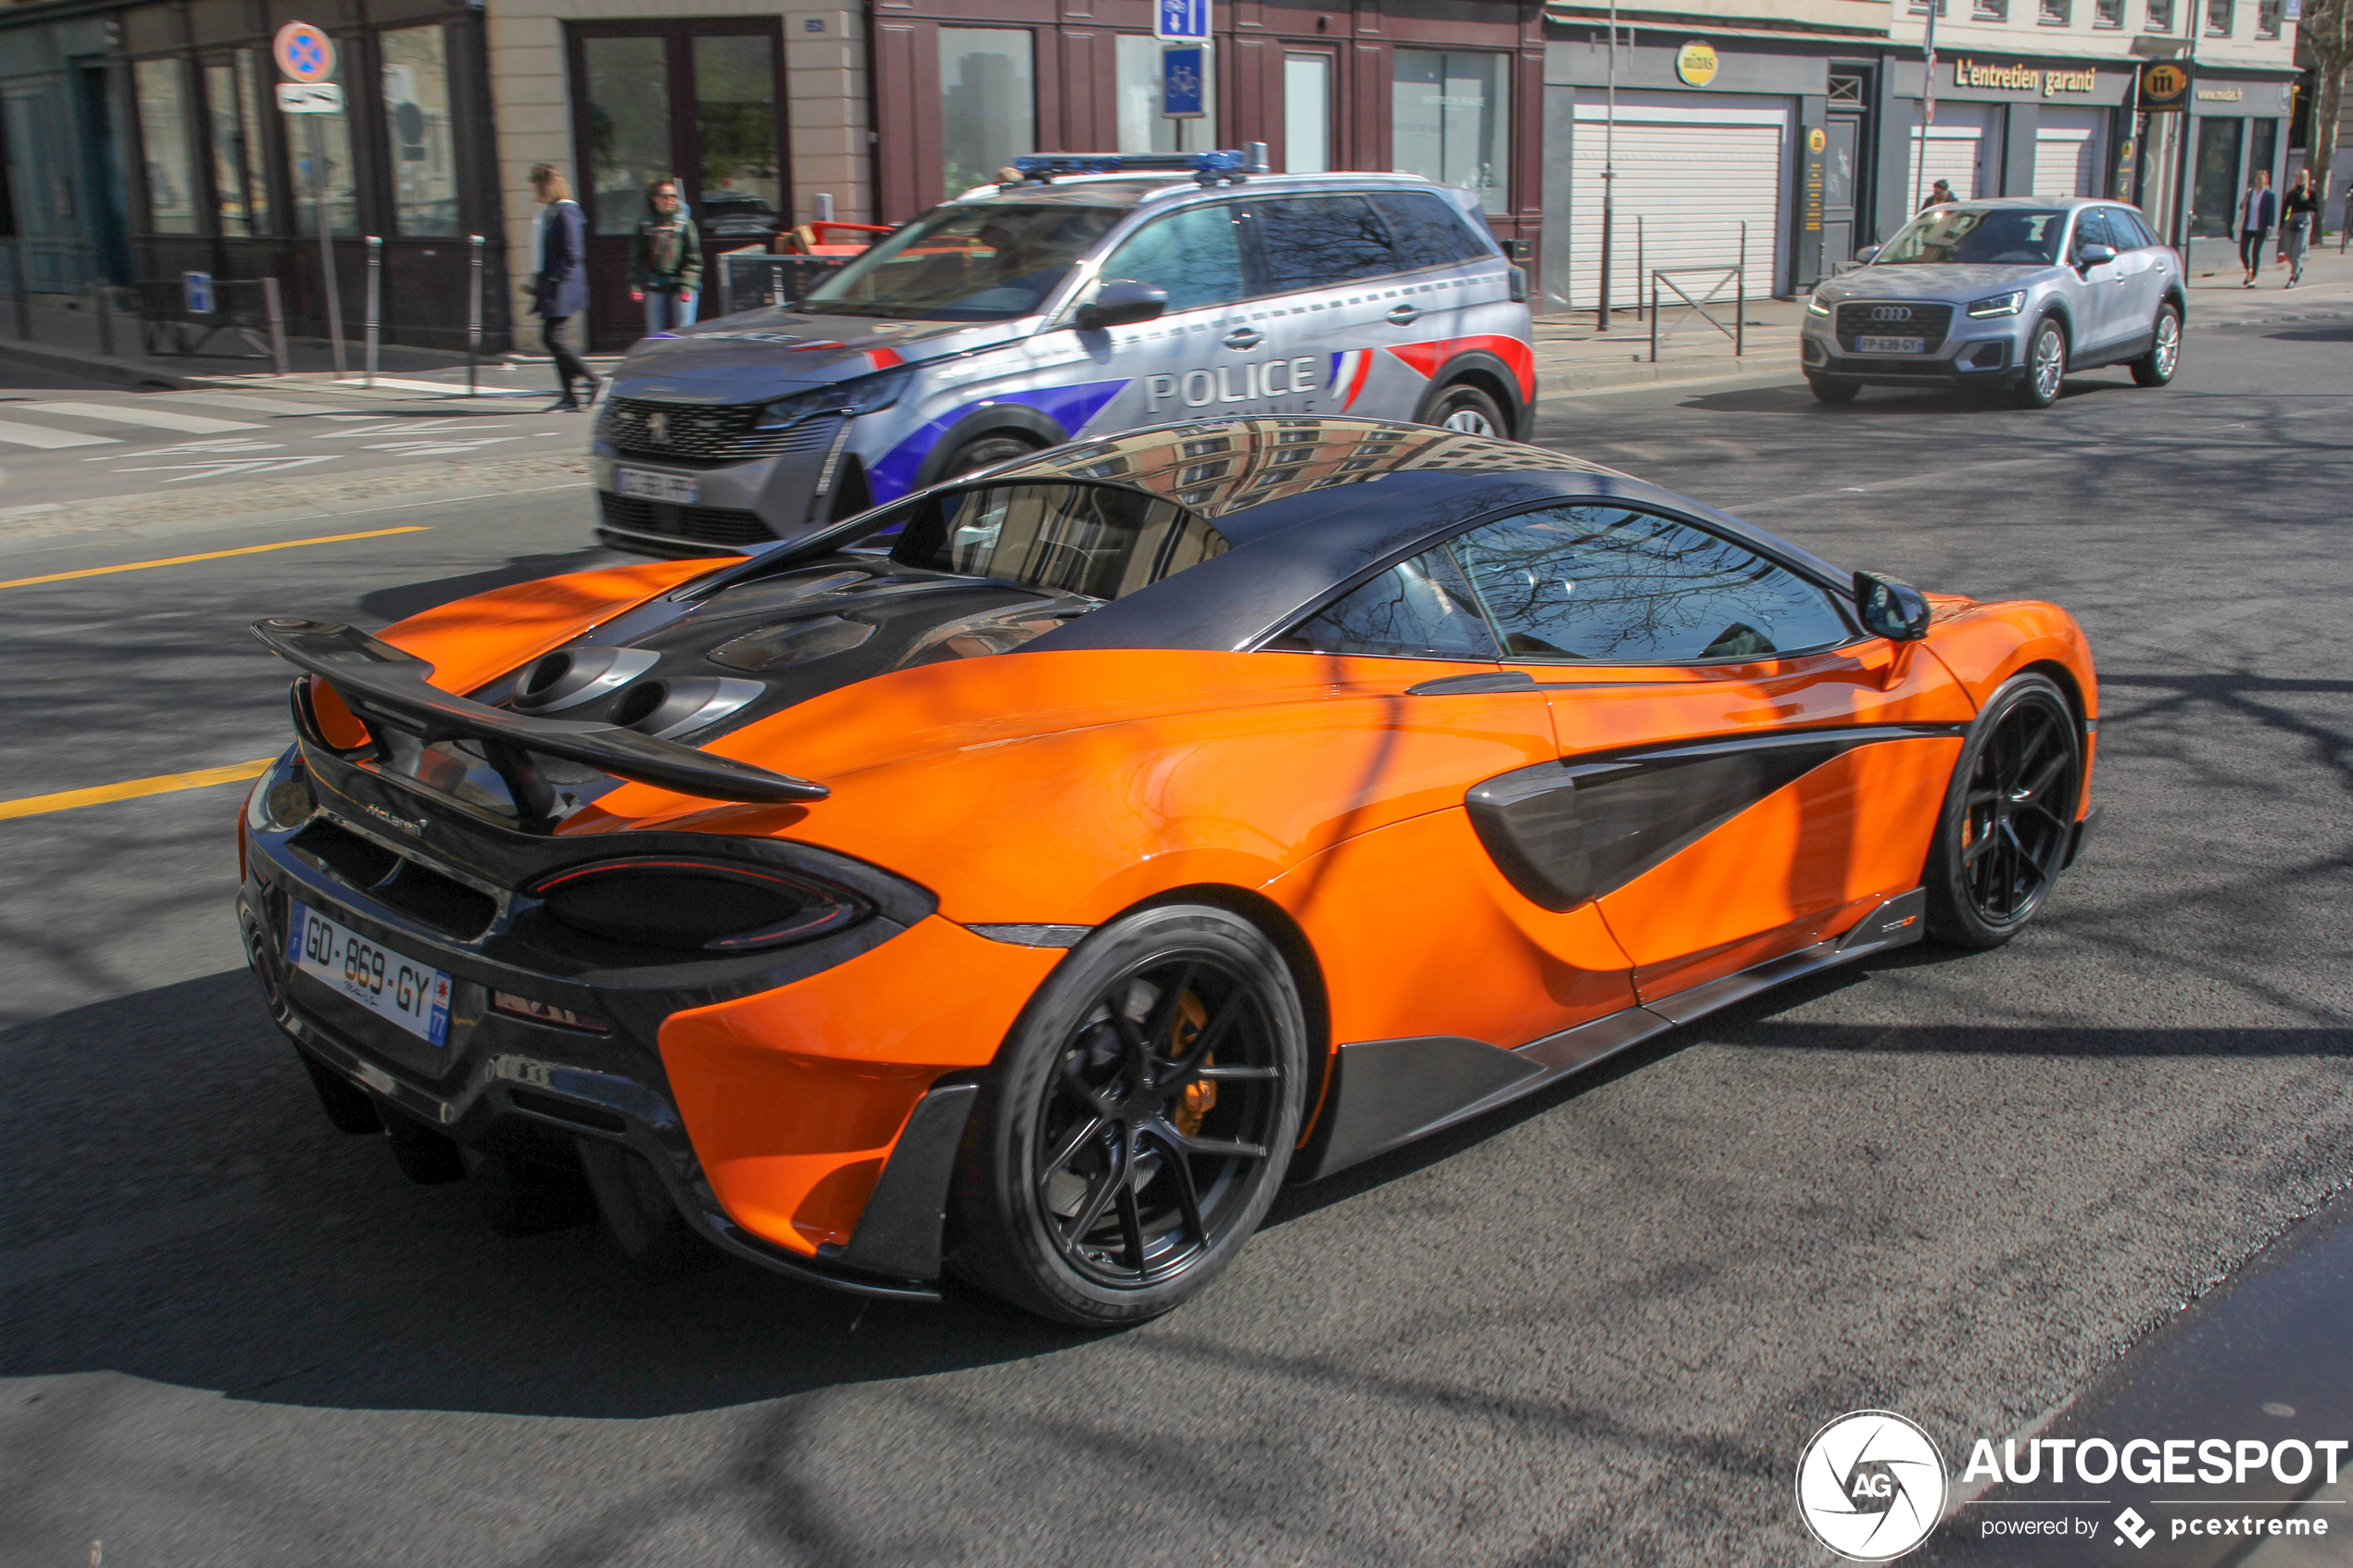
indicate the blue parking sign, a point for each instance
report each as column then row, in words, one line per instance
column 1181, row 19
column 1180, row 83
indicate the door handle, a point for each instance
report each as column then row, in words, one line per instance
column 1404, row 315
column 1244, row 337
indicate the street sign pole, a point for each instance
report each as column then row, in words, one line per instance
column 306, row 56
column 326, row 242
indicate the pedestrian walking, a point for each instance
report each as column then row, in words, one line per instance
column 1937, row 194
column 2299, row 215
column 665, row 261
column 560, row 289
column 2259, row 211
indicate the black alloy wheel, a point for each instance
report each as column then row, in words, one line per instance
column 2008, row 820
column 1466, row 410
column 985, row 451
column 1139, row 1121
column 1831, row 391
column 2045, row 365
column 2156, row 367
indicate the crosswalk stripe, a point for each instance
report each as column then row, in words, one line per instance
column 245, row 401
column 16, row 435
column 194, row 424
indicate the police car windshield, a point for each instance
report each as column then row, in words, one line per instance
column 986, row 261
column 2014, row 236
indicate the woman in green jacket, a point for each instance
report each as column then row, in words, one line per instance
column 665, row 261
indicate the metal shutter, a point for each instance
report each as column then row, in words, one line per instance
column 2067, row 147
column 1692, row 171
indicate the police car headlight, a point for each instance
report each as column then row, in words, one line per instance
column 2000, row 304
column 1814, row 306
column 866, row 394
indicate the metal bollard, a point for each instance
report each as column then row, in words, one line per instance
column 824, row 208
column 1740, row 307
column 276, row 305
column 473, row 312
column 375, row 302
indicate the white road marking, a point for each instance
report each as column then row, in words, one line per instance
column 438, row 448
column 193, row 424
column 224, row 465
column 244, row 401
column 226, row 444
column 16, row 435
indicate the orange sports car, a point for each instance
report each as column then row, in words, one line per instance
column 1021, row 880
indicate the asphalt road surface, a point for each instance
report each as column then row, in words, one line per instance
column 1596, row 1328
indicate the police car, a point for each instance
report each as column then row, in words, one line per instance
column 1096, row 293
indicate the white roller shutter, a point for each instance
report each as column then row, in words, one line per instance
column 1691, row 168
column 2069, row 152
column 1954, row 150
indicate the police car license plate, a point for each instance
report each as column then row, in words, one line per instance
column 408, row 993
column 675, row 488
column 1892, row 345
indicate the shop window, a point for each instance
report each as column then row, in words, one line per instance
column 230, row 158
column 743, row 185
column 2108, row 13
column 2267, row 18
column 987, row 102
column 252, row 86
column 164, row 133
column 1307, row 113
column 628, row 81
column 1450, row 120
column 321, row 154
column 1142, row 128
column 2219, row 17
column 2161, row 16
column 2055, row 13
column 417, row 128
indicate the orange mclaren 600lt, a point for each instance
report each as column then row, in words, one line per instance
column 1020, row 881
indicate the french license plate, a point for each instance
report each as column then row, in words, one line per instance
column 1892, row 345
column 675, row 488
column 408, row 993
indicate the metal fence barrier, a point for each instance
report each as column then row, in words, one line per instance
column 746, row 279
column 177, row 320
column 1705, row 303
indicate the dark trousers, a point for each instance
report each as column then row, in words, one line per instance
column 568, row 366
column 2251, row 248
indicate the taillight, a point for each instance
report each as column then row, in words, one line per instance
column 697, row 906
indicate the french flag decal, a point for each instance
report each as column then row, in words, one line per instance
column 1349, row 370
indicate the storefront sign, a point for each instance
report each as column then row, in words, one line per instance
column 2220, row 94
column 2049, row 80
column 2165, row 86
column 1695, row 63
column 305, row 54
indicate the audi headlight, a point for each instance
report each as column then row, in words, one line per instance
column 2000, row 304
column 866, row 394
column 1814, row 306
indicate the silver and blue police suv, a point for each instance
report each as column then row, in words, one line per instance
column 2011, row 295
column 1097, row 293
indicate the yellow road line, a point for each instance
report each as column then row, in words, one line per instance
column 132, row 789
column 211, row 554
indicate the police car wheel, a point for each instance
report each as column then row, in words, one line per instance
column 1467, row 412
column 984, row 452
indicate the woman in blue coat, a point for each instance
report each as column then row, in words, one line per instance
column 559, row 290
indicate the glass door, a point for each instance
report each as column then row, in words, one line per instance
column 695, row 101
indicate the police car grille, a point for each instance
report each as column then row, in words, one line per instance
column 1867, row 319
column 703, row 525
column 696, row 432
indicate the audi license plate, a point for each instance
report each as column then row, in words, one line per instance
column 408, row 993
column 675, row 488
column 1891, row 344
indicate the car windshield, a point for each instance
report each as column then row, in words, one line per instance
column 985, row 261
column 2015, row 236
column 1093, row 540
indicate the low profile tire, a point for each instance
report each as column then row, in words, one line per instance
column 2045, row 365
column 985, row 452
column 1829, row 390
column 1139, row 1121
column 2009, row 818
column 1466, row 410
column 2155, row 368
column 651, row 1237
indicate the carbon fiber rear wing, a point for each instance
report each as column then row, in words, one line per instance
column 382, row 685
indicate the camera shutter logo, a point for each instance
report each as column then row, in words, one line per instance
column 1870, row 1486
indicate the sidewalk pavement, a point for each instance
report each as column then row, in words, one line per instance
column 1572, row 355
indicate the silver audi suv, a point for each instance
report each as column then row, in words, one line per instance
column 2012, row 294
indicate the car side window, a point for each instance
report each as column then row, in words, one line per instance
column 2091, row 229
column 2124, row 231
column 1428, row 229
column 1193, row 253
column 1312, row 242
column 1633, row 588
column 1420, row 608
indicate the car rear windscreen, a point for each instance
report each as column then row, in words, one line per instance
column 1089, row 539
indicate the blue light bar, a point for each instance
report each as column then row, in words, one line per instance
column 1226, row 163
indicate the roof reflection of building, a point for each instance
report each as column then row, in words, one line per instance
column 1220, row 466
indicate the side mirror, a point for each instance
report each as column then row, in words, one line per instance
column 1894, row 610
column 1866, row 255
column 1120, row 303
column 2094, row 256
